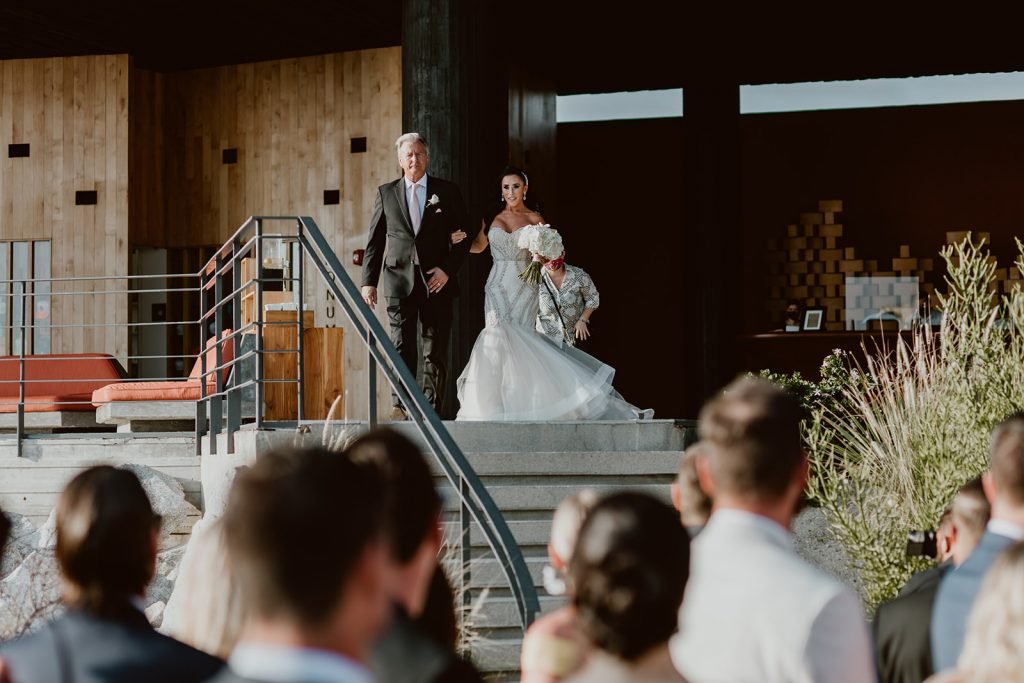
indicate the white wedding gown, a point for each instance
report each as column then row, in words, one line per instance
column 517, row 374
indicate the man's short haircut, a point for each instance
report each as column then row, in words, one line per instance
column 105, row 527
column 1006, row 459
column 971, row 508
column 410, row 137
column 413, row 504
column 297, row 523
column 752, row 433
column 694, row 504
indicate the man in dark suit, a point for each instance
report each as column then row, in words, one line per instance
column 901, row 626
column 107, row 539
column 1004, row 488
column 303, row 531
column 405, row 653
column 410, row 243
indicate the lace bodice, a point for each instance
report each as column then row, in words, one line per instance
column 506, row 297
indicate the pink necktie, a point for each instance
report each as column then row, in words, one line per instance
column 414, row 210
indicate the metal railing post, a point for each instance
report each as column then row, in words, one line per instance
column 371, row 382
column 20, row 428
column 300, row 368
column 202, row 405
column 465, row 546
column 258, row 319
column 234, row 398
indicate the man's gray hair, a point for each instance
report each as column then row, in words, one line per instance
column 410, row 137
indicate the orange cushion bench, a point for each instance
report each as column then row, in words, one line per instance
column 169, row 405
column 56, row 387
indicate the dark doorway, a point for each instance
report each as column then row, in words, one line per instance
column 620, row 190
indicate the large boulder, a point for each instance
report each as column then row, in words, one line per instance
column 30, row 594
column 21, row 544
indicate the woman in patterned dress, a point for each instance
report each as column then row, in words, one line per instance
column 568, row 298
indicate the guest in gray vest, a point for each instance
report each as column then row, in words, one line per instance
column 1004, row 487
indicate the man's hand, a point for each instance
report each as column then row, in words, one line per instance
column 370, row 296
column 438, row 279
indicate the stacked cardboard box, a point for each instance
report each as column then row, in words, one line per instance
column 810, row 265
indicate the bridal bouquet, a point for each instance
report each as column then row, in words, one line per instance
column 544, row 243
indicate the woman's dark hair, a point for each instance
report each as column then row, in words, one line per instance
column 438, row 619
column 105, row 527
column 628, row 573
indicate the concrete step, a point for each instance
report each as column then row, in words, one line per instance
column 503, row 464
column 545, row 497
column 529, row 437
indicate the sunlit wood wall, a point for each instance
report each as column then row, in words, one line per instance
column 73, row 114
column 292, row 123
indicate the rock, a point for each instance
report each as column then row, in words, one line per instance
column 816, row 543
column 155, row 614
column 159, row 590
column 21, row 544
column 30, row 594
column 167, row 497
column 168, row 561
column 46, row 537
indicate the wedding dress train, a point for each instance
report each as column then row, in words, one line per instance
column 516, row 374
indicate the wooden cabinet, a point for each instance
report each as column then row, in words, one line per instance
column 323, row 349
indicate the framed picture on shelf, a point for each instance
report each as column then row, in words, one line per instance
column 814, row 319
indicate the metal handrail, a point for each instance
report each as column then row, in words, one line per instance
column 476, row 503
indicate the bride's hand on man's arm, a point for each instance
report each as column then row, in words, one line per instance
column 458, row 236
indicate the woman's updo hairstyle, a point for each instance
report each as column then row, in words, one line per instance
column 629, row 571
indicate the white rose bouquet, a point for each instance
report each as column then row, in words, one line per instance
column 544, row 243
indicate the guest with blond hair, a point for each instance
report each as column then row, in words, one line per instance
column 206, row 609
column 554, row 647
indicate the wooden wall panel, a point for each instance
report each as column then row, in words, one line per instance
column 291, row 122
column 73, row 112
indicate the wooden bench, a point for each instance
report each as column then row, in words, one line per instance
column 142, row 406
column 58, row 389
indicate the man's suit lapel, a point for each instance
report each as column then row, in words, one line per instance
column 400, row 198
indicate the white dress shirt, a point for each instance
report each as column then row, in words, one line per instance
column 754, row 611
column 1005, row 528
column 280, row 664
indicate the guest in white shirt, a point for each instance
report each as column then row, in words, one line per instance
column 754, row 611
column 304, row 534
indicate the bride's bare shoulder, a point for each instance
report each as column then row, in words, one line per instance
column 535, row 217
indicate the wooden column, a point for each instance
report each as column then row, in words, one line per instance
column 455, row 93
column 713, row 291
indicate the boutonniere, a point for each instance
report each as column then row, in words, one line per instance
column 434, row 199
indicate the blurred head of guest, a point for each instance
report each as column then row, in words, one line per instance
column 994, row 645
column 687, row 496
column 968, row 516
column 1004, row 481
column 565, row 527
column 304, row 539
column 412, row 528
column 553, row 647
column 752, row 456
column 411, row 514
column 629, row 571
column 107, row 540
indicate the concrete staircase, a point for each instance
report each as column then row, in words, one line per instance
column 529, row 469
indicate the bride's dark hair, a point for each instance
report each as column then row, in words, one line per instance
column 628, row 573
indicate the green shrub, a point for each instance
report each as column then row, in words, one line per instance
column 913, row 422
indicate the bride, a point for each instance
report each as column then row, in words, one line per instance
column 515, row 373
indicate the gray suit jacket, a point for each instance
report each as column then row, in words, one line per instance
column 391, row 230
column 84, row 648
column 956, row 595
